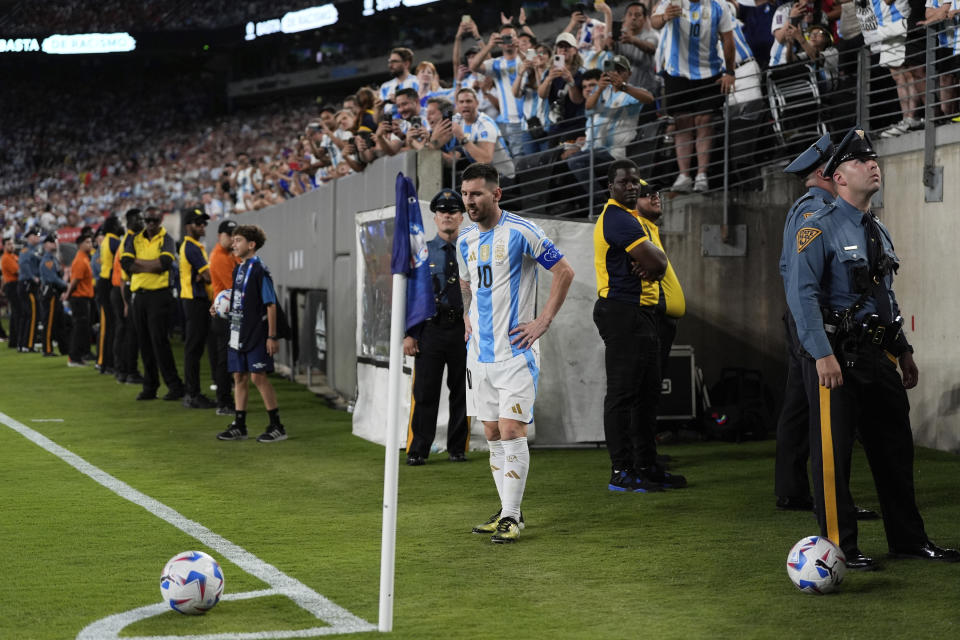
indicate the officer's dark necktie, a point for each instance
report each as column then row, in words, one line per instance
column 878, row 286
column 451, row 273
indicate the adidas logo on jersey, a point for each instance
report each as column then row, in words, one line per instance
column 512, row 474
column 516, row 409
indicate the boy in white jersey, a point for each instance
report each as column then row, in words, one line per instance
column 497, row 258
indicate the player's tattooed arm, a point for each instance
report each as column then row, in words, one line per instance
column 467, row 296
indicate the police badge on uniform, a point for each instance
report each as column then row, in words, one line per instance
column 805, row 236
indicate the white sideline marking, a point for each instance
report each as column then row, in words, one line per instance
column 339, row 619
column 46, row 419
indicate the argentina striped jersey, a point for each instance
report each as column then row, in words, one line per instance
column 947, row 30
column 689, row 42
column 504, row 72
column 501, row 267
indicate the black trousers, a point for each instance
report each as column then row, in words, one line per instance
column 632, row 363
column 666, row 331
column 793, row 425
column 101, row 292
column 196, row 329
column 217, row 352
column 80, row 309
column 125, row 346
column 873, row 403
column 441, row 345
column 54, row 324
column 152, row 314
column 16, row 310
column 29, row 312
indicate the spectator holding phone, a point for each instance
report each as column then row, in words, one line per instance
column 612, row 113
column 503, row 70
column 562, row 89
column 638, row 41
column 690, row 32
column 392, row 134
column 478, row 136
column 536, row 111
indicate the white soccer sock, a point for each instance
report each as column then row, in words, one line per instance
column 515, row 466
column 496, row 465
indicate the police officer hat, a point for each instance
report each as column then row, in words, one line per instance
column 856, row 144
column 818, row 153
column 52, row 237
column 448, row 201
column 194, row 215
column 35, row 231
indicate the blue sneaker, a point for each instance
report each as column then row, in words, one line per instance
column 627, row 482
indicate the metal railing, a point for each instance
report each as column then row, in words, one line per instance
column 793, row 105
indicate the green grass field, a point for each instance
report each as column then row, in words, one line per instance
column 704, row 562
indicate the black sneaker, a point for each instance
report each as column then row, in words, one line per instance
column 121, row 378
column 198, row 401
column 134, row 378
column 233, row 432
column 274, row 433
column 147, row 395
column 668, row 480
column 226, row 410
column 173, row 394
column 627, row 482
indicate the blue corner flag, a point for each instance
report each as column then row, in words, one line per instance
column 410, row 255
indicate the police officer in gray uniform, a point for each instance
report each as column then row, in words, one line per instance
column 839, row 288
column 793, row 435
column 28, row 290
column 51, row 286
column 438, row 343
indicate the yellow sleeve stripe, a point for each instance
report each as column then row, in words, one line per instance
column 127, row 254
column 637, row 243
column 167, row 253
column 203, row 268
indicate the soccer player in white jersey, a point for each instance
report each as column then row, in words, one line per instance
column 497, row 256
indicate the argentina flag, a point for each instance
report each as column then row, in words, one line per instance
column 410, row 255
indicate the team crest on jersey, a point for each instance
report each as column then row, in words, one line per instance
column 500, row 252
column 805, row 236
column 484, row 253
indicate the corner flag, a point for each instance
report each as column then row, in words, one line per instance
column 410, row 255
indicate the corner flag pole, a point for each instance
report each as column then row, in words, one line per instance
column 388, row 543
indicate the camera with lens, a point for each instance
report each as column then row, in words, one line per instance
column 506, row 40
column 415, row 121
column 583, row 7
column 535, row 128
column 609, row 65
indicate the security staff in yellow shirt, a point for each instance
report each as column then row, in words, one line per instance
column 112, row 230
column 196, row 295
column 148, row 257
column 672, row 305
column 625, row 316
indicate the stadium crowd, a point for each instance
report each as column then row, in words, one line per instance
column 517, row 96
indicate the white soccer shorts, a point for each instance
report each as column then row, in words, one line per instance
column 505, row 389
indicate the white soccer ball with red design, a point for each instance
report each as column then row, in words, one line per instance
column 191, row 583
column 816, row 565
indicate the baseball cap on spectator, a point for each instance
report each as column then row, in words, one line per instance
column 195, row 216
column 227, row 226
column 566, row 38
column 623, row 62
column 51, row 237
column 469, row 52
column 35, row 231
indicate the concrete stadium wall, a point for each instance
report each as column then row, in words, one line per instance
column 734, row 303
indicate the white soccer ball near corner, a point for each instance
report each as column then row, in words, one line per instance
column 221, row 304
column 816, row 565
column 191, row 583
